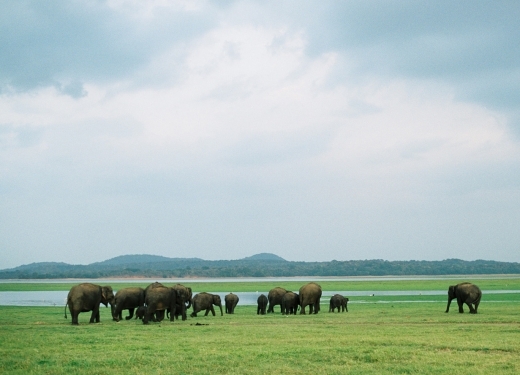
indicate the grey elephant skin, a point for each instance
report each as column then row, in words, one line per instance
column 205, row 301
column 139, row 313
column 261, row 304
column 290, row 303
column 310, row 295
column 231, row 301
column 337, row 301
column 465, row 293
column 275, row 296
column 128, row 299
column 87, row 297
column 184, row 296
column 157, row 300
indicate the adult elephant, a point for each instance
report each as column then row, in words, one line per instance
column 275, row 296
column 310, row 295
column 290, row 303
column 158, row 316
column 337, row 301
column 128, row 299
column 87, row 297
column 157, row 300
column 231, row 301
column 205, row 301
column 262, row 304
column 184, row 296
column 465, row 293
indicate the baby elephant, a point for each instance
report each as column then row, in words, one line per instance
column 262, row 304
column 139, row 314
column 337, row 301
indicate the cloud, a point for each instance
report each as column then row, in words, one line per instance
column 315, row 132
column 55, row 44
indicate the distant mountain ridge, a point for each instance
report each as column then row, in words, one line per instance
column 143, row 258
column 258, row 265
column 265, row 256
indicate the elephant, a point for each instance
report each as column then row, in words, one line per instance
column 466, row 293
column 205, row 301
column 231, row 301
column 87, row 297
column 158, row 299
column 262, row 304
column 139, row 313
column 159, row 314
column 184, row 296
column 290, row 303
column 128, row 299
column 339, row 302
column 275, row 298
column 310, row 295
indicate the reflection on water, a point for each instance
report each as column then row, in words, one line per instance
column 58, row 298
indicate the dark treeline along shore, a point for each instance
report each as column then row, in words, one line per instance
column 260, row 265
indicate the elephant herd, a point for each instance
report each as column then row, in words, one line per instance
column 157, row 300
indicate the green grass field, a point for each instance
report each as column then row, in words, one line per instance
column 384, row 337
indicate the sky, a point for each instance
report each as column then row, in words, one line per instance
column 316, row 130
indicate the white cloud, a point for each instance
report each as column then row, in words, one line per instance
column 236, row 140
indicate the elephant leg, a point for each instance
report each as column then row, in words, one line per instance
column 74, row 316
column 94, row 317
column 131, row 311
column 461, row 306
column 147, row 314
column 212, row 311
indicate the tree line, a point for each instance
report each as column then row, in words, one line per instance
column 180, row 268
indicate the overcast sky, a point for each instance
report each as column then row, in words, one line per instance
column 315, row 130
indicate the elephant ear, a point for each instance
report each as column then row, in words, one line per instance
column 104, row 293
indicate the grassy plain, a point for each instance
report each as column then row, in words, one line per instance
column 381, row 337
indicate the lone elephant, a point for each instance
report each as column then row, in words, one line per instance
column 128, row 299
column 275, row 296
column 290, row 303
column 205, row 301
column 231, row 301
column 339, row 302
column 310, row 295
column 87, row 297
column 157, row 300
column 262, row 304
column 465, row 293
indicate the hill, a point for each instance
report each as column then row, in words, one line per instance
column 142, row 258
column 265, row 256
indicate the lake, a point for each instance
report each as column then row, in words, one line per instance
column 58, row 298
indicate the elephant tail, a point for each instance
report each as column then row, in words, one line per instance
column 66, row 304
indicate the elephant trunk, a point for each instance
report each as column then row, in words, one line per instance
column 221, row 314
